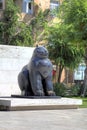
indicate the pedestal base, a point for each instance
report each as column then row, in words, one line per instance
column 38, row 104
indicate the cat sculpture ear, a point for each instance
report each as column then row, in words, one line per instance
column 37, row 45
column 43, row 45
column 40, row 45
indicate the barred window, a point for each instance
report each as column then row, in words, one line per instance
column 28, row 6
column 54, row 4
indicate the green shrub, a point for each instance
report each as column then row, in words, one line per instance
column 60, row 89
column 74, row 90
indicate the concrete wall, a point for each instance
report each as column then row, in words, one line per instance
column 12, row 59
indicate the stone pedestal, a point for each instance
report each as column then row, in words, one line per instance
column 38, row 104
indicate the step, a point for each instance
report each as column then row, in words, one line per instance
column 13, row 103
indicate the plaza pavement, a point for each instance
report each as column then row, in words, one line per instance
column 68, row 119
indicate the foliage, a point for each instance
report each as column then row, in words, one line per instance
column 62, row 51
column 12, row 32
column 73, row 13
column 63, row 90
column 68, row 37
column 75, row 90
column 1, row 32
column 9, row 22
column 60, row 89
column 24, row 36
column 38, row 25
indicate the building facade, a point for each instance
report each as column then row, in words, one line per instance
column 28, row 8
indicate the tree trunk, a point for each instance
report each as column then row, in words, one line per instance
column 83, row 93
column 84, row 84
column 60, row 73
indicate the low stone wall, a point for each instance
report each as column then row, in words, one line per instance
column 12, row 59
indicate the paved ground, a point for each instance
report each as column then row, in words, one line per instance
column 70, row 119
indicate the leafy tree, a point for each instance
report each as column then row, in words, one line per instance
column 38, row 25
column 62, row 51
column 13, row 32
column 9, row 22
column 24, row 36
column 73, row 13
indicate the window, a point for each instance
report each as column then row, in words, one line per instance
column 1, row 4
column 28, row 6
column 79, row 72
column 54, row 6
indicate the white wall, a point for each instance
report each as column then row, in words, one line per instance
column 12, row 59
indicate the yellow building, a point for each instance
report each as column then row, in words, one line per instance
column 29, row 8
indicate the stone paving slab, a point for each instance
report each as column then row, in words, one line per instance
column 38, row 104
column 69, row 119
